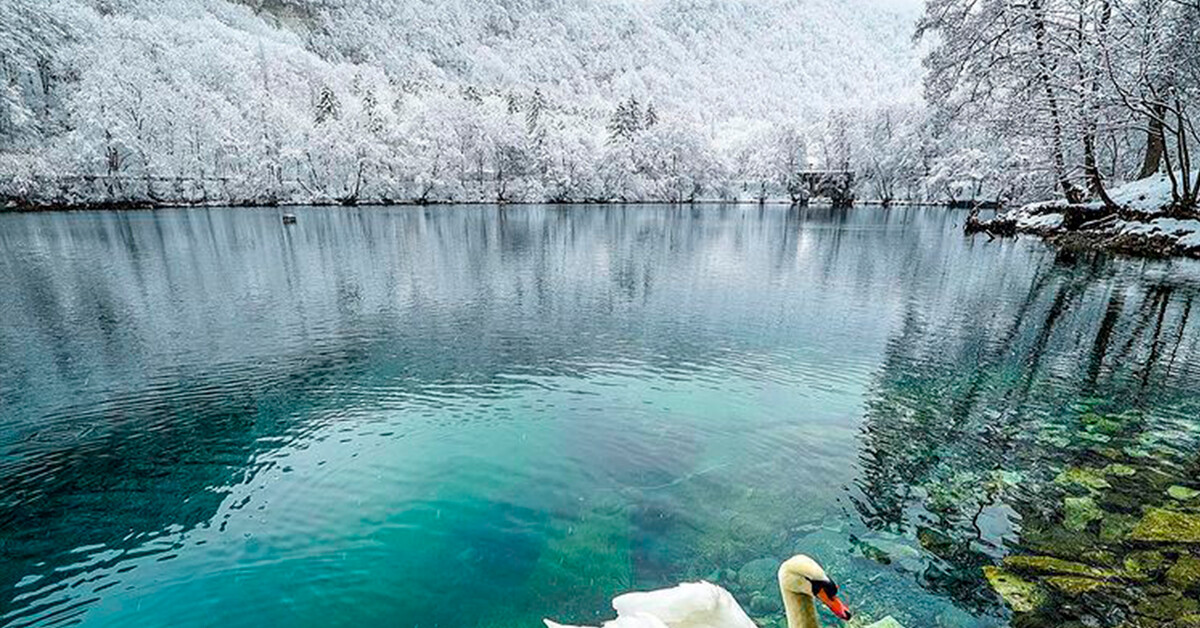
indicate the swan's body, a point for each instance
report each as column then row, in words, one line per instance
column 706, row 605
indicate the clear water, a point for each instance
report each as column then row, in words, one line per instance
column 476, row 417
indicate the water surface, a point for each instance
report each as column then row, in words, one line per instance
column 476, row 417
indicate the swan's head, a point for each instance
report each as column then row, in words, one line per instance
column 803, row 576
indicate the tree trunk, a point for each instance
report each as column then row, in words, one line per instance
column 1156, row 143
column 1072, row 193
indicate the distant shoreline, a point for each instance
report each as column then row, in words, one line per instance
column 151, row 206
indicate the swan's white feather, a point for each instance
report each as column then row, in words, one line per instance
column 639, row 620
column 689, row 605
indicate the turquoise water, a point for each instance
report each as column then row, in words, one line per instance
column 477, row 417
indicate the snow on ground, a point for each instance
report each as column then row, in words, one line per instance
column 1040, row 222
column 1148, row 198
column 1150, row 195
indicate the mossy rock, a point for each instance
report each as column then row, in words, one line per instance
column 1120, row 470
column 1167, row 607
column 1055, row 566
column 886, row 622
column 1051, row 538
column 1075, row 586
column 1110, row 425
column 1182, row 493
column 1167, row 526
column 1185, row 573
column 1144, row 565
column 1021, row 595
column 1116, row 527
column 1079, row 512
column 1088, row 478
column 1187, row 621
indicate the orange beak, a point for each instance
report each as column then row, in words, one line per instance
column 835, row 605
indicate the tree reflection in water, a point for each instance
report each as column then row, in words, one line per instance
column 1041, row 425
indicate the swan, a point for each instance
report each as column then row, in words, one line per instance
column 705, row 605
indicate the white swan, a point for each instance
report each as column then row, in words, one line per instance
column 706, row 605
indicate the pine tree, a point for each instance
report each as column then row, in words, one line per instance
column 651, row 116
column 533, row 117
column 328, row 106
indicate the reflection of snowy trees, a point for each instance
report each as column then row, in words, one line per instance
column 976, row 412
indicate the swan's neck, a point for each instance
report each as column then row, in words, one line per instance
column 801, row 611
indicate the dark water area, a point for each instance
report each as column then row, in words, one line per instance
column 478, row 417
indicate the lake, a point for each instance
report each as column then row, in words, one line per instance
column 478, row 416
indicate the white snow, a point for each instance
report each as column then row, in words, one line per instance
column 1150, row 195
column 1043, row 221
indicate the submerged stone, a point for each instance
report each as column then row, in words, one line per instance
column 1143, row 565
column 1182, row 493
column 1167, row 607
column 1187, row 621
column 1076, row 585
column 762, row 604
column 1167, row 526
column 1120, row 470
column 1021, row 595
column 1115, row 527
column 1056, row 566
column 1078, row 512
column 1090, row 478
column 759, row 574
column 1185, row 573
column 886, row 622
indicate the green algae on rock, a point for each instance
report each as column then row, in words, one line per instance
column 1089, row 478
column 1056, row 566
column 1162, row 525
column 1078, row 512
column 1115, row 527
column 1182, row 493
column 1143, row 565
column 1185, row 573
column 1076, row 585
column 1120, row 470
column 1021, row 595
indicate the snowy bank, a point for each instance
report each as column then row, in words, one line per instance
column 1139, row 226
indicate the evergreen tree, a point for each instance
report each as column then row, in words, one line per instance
column 328, row 106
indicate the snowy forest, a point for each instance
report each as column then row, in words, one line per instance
column 334, row 101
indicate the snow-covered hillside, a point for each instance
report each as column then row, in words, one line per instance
column 292, row 100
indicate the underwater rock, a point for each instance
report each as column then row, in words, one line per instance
column 1182, row 493
column 1021, row 595
column 759, row 575
column 1078, row 512
column 886, row 622
column 1100, row 557
column 1076, row 585
column 1167, row 526
column 1115, row 527
column 1055, row 566
column 1187, row 621
column 1089, row 478
column 1143, row 565
column 1185, row 573
column 1120, row 470
column 1167, row 607
column 934, row 541
column 762, row 604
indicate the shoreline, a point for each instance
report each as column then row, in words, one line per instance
column 1078, row 227
column 152, row 206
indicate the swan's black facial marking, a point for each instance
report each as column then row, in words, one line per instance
column 829, row 587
